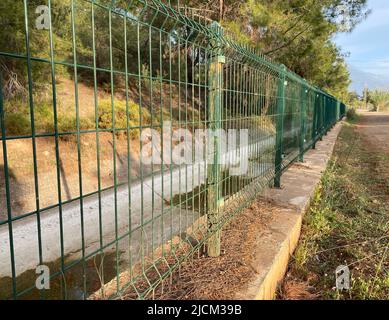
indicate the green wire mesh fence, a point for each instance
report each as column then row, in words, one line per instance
column 131, row 133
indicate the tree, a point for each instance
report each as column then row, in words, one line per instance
column 297, row 33
column 379, row 99
column 13, row 42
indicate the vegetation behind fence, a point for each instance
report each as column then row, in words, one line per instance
column 81, row 82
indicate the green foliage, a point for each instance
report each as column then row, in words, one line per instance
column 18, row 118
column 264, row 123
column 379, row 99
column 17, row 124
column 354, row 101
column 299, row 34
column 13, row 41
column 119, row 108
column 351, row 114
column 68, row 123
column 296, row 33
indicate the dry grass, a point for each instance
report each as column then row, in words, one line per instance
column 347, row 224
column 201, row 277
column 295, row 290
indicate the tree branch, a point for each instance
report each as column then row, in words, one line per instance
column 286, row 44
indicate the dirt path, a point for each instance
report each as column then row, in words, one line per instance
column 375, row 129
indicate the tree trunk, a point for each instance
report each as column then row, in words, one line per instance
column 221, row 10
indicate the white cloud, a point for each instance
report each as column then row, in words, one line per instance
column 378, row 66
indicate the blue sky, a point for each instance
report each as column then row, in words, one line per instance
column 368, row 44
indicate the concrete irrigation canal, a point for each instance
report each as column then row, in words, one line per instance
column 147, row 207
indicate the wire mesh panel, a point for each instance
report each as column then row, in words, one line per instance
column 131, row 133
column 292, row 120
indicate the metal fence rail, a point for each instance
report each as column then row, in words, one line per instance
column 102, row 106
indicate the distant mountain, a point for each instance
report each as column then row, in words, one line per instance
column 360, row 79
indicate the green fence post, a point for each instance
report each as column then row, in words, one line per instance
column 302, row 122
column 321, row 117
column 324, row 117
column 215, row 68
column 337, row 111
column 280, row 127
column 315, row 121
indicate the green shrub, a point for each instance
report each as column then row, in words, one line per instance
column 120, row 113
column 264, row 123
column 351, row 114
column 68, row 123
column 18, row 122
column 17, row 117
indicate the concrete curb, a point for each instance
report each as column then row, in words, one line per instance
column 278, row 241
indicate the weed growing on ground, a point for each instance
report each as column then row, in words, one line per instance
column 346, row 225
